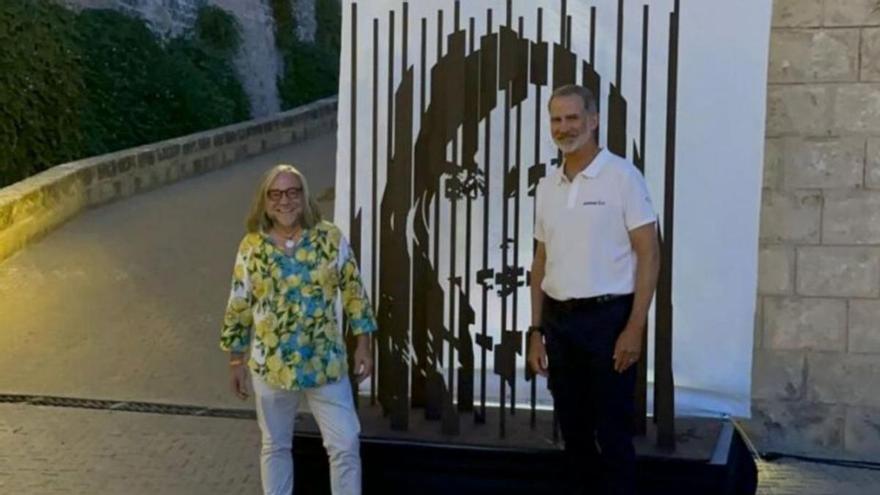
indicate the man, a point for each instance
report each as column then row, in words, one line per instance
column 593, row 277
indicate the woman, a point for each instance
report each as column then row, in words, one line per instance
column 290, row 268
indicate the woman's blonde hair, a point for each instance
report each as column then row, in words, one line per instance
column 258, row 219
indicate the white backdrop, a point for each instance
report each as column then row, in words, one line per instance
column 723, row 49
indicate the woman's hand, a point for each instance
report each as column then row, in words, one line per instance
column 363, row 359
column 238, row 377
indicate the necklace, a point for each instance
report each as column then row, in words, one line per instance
column 288, row 239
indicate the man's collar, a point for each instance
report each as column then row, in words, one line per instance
column 591, row 171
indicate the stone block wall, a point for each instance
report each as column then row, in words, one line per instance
column 35, row 206
column 816, row 379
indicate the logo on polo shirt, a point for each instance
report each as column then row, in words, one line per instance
column 594, row 203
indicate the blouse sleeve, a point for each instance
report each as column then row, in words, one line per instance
column 355, row 304
column 238, row 320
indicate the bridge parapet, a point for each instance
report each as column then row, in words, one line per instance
column 37, row 205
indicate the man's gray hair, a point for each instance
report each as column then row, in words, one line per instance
column 573, row 89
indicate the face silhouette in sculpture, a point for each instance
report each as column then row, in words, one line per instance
column 284, row 200
column 572, row 125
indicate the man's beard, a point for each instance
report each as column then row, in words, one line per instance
column 572, row 143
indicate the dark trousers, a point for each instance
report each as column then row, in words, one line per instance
column 594, row 403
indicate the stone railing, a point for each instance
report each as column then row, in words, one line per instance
column 35, row 206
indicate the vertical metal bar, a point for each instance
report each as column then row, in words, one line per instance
column 354, row 219
column 568, row 32
column 437, row 345
column 644, row 96
column 423, row 69
column 664, row 385
column 487, row 81
column 453, row 248
column 419, row 329
column 619, row 71
column 563, row 15
column 533, row 419
column 617, row 106
column 505, row 220
column 591, row 78
column 593, row 38
column 436, row 221
column 516, row 207
column 404, row 39
column 641, row 400
column 353, row 124
column 466, row 375
column 374, row 212
column 390, row 116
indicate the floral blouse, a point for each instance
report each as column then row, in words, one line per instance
column 289, row 301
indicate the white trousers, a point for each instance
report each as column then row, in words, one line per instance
column 333, row 409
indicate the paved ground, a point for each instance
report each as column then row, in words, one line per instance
column 792, row 477
column 124, row 302
column 48, row 451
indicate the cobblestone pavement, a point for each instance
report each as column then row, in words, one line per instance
column 793, row 477
column 48, row 451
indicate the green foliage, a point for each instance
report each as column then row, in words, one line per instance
column 285, row 24
column 41, row 88
column 141, row 91
column 311, row 70
column 217, row 29
column 328, row 13
column 81, row 84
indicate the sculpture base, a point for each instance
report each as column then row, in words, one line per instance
column 710, row 457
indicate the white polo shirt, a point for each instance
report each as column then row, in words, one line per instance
column 584, row 225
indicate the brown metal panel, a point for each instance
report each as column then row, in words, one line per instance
column 539, row 63
column 488, row 75
column 394, row 287
column 519, row 89
column 564, row 63
column 616, row 122
column 508, row 57
column 455, row 88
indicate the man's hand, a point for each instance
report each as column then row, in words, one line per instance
column 628, row 348
column 537, row 354
column 238, row 380
column 363, row 359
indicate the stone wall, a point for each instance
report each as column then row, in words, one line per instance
column 816, row 379
column 258, row 62
column 34, row 206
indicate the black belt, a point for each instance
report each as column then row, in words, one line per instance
column 587, row 302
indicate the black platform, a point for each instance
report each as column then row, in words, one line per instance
column 710, row 458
